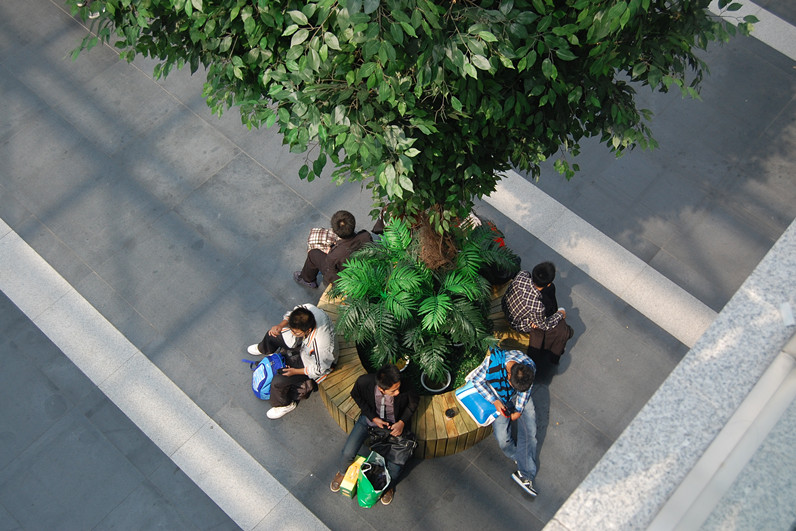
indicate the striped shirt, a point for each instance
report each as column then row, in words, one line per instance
column 480, row 383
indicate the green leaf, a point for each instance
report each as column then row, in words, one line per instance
column 487, row 36
column 298, row 17
column 370, row 6
column 331, row 41
column 197, row 4
column 481, row 62
column 549, row 69
column 408, row 29
column 565, row 54
column 735, row 6
column 456, row 104
column 299, row 37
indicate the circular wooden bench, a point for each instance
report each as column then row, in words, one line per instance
column 437, row 435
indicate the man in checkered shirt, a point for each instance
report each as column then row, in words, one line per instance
column 530, row 306
column 328, row 250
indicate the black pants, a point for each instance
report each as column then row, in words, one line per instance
column 283, row 388
column 316, row 260
column 553, row 340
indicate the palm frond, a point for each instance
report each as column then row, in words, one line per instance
column 466, row 323
column 401, row 304
column 397, row 236
column 469, row 259
column 432, row 356
column 434, row 310
column 353, row 322
column 405, row 277
column 459, row 283
column 361, row 278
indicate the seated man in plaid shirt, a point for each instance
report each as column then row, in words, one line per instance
column 530, row 306
column 329, row 249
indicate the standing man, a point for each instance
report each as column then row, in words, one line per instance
column 530, row 307
column 328, row 251
column 383, row 403
column 307, row 333
column 505, row 378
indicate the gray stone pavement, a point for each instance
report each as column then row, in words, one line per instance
column 182, row 230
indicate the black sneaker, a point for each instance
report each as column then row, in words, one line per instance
column 302, row 282
column 524, row 482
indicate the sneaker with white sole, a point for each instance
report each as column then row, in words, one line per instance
column 281, row 411
column 524, row 482
column 254, row 350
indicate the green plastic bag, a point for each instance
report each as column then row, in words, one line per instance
column 367, row 496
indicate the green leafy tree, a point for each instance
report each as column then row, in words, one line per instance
column 426, row 101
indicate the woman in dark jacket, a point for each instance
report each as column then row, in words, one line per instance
column 383, row 402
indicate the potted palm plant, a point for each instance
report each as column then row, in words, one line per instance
column 396, row 305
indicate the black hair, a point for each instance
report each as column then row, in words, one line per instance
column 301, row 319
column 388, row 376
column 521, row 376
column 343, row 223
column 543, row 274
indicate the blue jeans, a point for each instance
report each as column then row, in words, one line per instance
column 352, row 445
column 523, row 449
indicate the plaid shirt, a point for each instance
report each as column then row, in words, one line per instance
column 322, row 239
column 523, row 306
column 487, row 391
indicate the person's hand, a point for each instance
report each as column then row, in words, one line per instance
column 500, row 408
column 290, row 371
column 380, row 423
column 563, row 313
column 397, row 429
column 533, row 325
column 275, row 331
column 515, row 415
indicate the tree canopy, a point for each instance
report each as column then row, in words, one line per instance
column 426, row 101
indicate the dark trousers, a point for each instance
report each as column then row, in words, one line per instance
column 553, row 340
column 353, row 444
column 283, row 388
column 315, row 261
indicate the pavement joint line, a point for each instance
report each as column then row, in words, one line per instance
column 207, row 454
column 770, row 30
column 631, row 279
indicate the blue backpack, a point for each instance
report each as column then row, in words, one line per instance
column 263, row 374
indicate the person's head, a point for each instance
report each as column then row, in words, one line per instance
column 388, row 378
column 543, row 274
column 343, row 223
column 301, row 322
column 521, row 376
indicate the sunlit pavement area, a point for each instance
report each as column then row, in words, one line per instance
column 144, row 240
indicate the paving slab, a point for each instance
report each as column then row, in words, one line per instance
column 65, row 445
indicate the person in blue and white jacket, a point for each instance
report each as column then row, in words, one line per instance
column 505, row 379
column 307, row 333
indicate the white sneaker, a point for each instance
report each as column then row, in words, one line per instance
column 253, row 350
column 525, row 483
column 279, row 412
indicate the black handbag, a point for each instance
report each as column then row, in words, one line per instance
column 394, row 449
